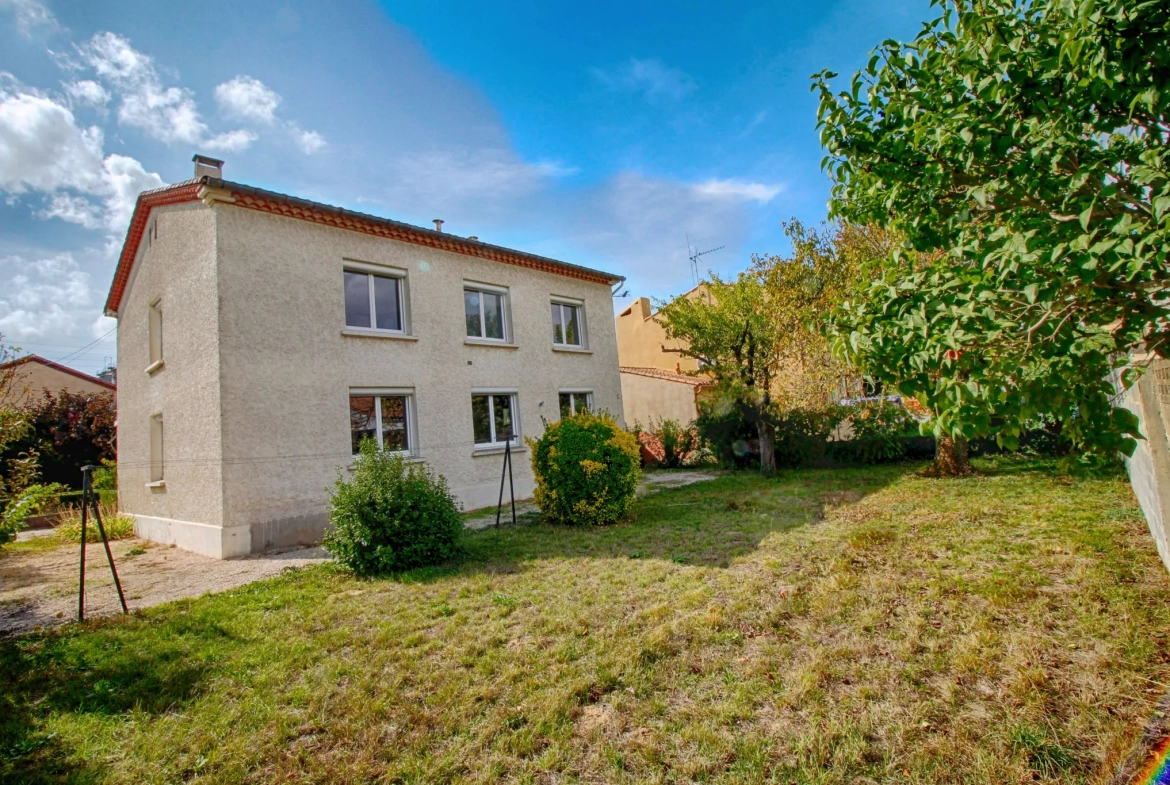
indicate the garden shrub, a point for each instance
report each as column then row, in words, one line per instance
column 881, row 433
column 587, row 469
column 391, row 515
column 669, row 442
column 117, row 525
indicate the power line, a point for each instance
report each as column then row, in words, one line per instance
column 88, row 345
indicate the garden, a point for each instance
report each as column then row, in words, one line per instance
column 847, row 625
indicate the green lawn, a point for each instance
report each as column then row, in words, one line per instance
column 848, row 626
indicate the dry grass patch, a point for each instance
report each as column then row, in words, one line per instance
column 861, row 626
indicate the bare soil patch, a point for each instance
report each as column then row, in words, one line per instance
column 38, row 588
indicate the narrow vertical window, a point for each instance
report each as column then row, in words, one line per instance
column 156, row 448
column 155, row 330
column 373, row 302
column 493, row 419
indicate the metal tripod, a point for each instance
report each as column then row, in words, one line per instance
column 89, row 499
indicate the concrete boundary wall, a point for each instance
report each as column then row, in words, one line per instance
column 1149, row 466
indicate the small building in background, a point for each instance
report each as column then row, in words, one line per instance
column 34, row 374
column 658, row 383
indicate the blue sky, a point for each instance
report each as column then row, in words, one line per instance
column 602, row 133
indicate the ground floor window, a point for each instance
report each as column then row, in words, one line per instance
column 493, row 418
column 383, row 418
column 573, row 402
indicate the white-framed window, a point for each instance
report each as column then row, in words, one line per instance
column 375, row 298
column 485, row 309
column 494, row 419
column 573, row 401
column 386, row 416
column 155, row 331
column 568, row 323
column 156, row 448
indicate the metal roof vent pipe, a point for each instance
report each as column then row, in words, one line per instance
column 205, row 166
column 438, row 224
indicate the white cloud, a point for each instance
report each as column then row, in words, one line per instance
column 74, row 209
column 739, row 190
column 247, row 98
column 43, row 149
column 87, row 92
column 309, row 141
column 168, row 114
column 50, row 296
column 652, row 78
column 29, row 14
column 125, row 178
column 230, row 142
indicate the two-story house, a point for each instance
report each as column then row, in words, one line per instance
column 261, row 337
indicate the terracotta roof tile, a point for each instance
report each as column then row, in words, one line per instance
column 670, row 376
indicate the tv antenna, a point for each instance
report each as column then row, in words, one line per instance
column 694, row 257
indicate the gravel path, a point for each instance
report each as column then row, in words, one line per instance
column 39, row 588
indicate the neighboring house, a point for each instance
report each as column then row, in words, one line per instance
column 32, row 375
column 657, row 383
column 294, row 329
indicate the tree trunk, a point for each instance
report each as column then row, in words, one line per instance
column 950, row 456
column 767, row 433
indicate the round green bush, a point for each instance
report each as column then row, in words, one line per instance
column 391, row 515
column 587, row 469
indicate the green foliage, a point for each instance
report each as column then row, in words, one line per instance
column 105, row 478
column 391, row 515
column 1020, row 147
column 67, row 431
column 117, row 526
column 22, row 505
column 587, row 470
column 879, row 433
column 670, row 442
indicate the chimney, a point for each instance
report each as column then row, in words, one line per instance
column 207, row 167
column 438, row 224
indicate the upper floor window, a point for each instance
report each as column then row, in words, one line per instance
column 568, row 323
column 383, row 418
column 155, row 330
column 486, row 312
column 374, row 301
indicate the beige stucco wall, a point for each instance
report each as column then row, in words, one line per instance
column 285, row 369
column 641, row 338
column 647, row 399
column 31, row 379
column 179, row 266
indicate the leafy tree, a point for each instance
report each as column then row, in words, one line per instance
column 21, row 495
column 1020, row 147
column 67, row 431
column 731, row 327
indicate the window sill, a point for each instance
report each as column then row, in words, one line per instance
column 358, row 332
column 470, row 341
column 410, row 458
column 157, row 484
column 571, row 349
column 157, row 365
column 495, row 449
